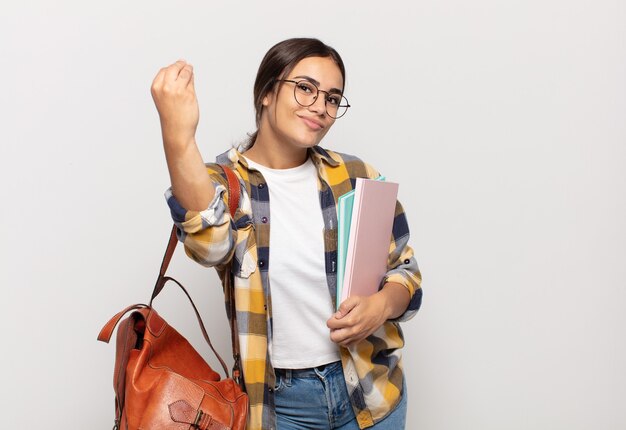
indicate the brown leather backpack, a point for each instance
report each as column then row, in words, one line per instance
column 160, row 380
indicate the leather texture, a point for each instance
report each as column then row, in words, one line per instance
column 160, row 380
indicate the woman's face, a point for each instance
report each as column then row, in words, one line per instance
column 292, row 124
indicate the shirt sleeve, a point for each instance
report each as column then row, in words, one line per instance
column 403, row 268
column 209, row 235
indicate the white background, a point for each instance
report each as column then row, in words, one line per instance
column 503, row 121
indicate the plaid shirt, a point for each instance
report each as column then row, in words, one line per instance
column 372, row 368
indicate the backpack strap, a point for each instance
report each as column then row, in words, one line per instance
column 234, row 191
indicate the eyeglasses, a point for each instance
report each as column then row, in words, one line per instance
column 306, row 92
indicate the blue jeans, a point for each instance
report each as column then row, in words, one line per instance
column 317, row 398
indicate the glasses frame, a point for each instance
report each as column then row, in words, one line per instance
column 347, row 105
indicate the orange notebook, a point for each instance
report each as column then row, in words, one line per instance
column 370, row 237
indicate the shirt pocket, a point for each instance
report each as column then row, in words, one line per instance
column 245, row 256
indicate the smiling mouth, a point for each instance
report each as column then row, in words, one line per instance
column 314, row 125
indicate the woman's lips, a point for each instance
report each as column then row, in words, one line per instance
column 312, row 124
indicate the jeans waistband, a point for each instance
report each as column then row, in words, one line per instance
column 310, row 371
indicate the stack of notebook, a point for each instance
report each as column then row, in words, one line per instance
column 365, row 220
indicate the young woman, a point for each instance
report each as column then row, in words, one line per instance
column 304, row 365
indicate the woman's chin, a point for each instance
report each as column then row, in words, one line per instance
column 311, row 144
column 308, row 140
column 304, row 143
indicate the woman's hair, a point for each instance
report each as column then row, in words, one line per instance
column 280, row 61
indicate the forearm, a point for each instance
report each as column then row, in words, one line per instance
column 191, row 184
column 174, row 96
column 396, row 298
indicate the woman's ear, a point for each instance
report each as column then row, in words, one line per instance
column 267, row 99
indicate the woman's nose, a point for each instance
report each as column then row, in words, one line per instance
column 319, row 105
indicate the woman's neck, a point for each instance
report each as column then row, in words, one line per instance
column 271, row 153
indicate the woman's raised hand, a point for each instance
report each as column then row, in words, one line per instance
column 175, row 98
column 174, row 95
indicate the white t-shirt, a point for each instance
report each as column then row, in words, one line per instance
column 301, row 302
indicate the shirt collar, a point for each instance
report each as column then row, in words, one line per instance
column 317, row 154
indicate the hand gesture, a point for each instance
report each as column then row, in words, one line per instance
column 174, row 95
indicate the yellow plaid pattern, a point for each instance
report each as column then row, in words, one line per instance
column 240, row 246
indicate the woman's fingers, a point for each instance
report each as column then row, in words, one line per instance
column 357, row 318
column 157, row 82
column 173, row 70
column 174, row 95
column 184, row 75
column 172, row 79
column 190, row 82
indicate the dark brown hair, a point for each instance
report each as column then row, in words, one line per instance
column 280, row 60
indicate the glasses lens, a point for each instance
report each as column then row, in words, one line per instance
column 336, row 105
column 305, row 93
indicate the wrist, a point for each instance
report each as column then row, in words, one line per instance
column 176, row 133
column 177, row 141
column 386, row 303
column 396, row 299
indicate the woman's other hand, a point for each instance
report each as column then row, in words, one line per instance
column 174, row 95
column 360, row 316
column 357, row 318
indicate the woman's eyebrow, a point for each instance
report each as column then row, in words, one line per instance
column 310, row 79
